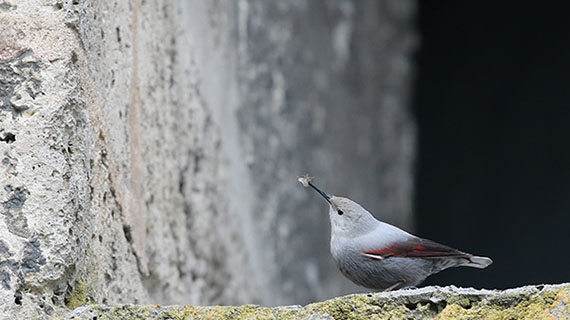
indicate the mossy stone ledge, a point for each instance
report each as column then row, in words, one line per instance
column 529, row 302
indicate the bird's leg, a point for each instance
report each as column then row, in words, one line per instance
column 392, row 287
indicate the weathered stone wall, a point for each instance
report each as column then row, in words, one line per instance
column 149, row 149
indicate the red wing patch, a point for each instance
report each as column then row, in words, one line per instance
column 416, row 247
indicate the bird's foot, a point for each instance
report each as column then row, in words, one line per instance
column 392, row 287
column 409, row 288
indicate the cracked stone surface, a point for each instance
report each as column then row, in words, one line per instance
column 149, row 149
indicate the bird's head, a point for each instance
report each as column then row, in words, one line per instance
column 347, row 217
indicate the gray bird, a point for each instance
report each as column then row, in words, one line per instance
column 379, row 256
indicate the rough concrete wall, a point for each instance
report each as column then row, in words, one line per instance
column 63, row 197
column 149, row 149
column 531, row 302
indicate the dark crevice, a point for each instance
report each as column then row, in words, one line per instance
column 8, row 137
column 18, row 298
column 127, row 232
column 411, row 306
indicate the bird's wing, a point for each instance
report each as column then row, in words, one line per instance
column 414, row 248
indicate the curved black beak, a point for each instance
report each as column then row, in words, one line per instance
column 322, row 193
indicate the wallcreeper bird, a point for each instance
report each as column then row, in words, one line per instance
column 379, row 256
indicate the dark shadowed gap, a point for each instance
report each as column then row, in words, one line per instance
column 492, row 103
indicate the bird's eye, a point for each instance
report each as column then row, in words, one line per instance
column 340, row 213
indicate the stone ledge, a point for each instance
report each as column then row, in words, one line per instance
column 530, row 302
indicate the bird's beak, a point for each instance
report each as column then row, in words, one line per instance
column 322, row 193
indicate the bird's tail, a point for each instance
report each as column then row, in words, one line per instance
column 478, row 262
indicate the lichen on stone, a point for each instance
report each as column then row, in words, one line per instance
column 79, row 295
column 531, row 302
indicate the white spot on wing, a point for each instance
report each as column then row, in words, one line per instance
column 373, row 256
